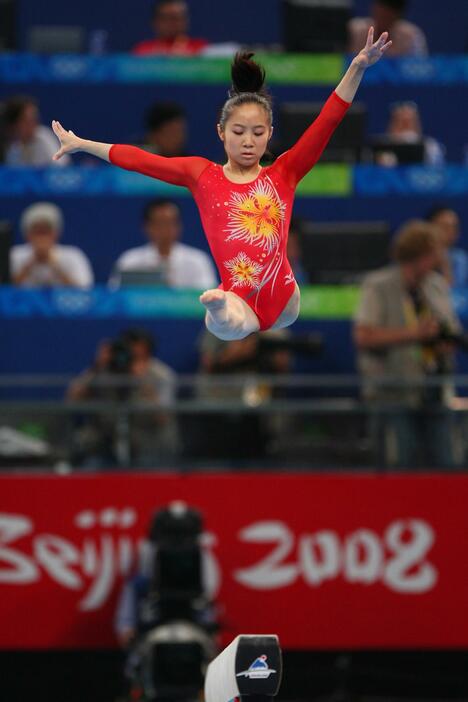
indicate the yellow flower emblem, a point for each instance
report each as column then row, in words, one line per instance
column 244, row 271
column 256, row 216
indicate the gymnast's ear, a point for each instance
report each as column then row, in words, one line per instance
column 220, row 132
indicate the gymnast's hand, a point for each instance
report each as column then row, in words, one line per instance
column 373, row 51
column 69, row 142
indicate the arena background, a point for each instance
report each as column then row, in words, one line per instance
column 393, row 626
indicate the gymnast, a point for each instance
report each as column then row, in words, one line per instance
column 245, row 208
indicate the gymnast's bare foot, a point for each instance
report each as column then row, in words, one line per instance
column 215, row 303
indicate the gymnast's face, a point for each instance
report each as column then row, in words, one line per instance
column 246, row 134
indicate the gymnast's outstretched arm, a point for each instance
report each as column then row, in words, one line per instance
column 370, row 54
column 305, row 153
column 177, row 170
column 70, row 143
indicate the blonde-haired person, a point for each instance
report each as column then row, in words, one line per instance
column 41, row 261
column 404, row 310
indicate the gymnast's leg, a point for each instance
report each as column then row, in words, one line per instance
column 227, row 316
column 291, row 312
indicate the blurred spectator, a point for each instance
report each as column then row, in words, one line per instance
column 42, row 262
column 388, row 16
column 294, row 252
column 454, row 260
column 146, row 365
column 236, row 434
column 173, row 264
column 166, row 130
column 28, row 143
column 405, row 127
column 170, row 24
column 404, row 310
column 152, row 435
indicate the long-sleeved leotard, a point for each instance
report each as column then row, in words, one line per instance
column 246, row 224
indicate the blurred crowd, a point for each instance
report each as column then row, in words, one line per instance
column 170, row 26
column 406, row 333
column 42, row 261
column 25, row 141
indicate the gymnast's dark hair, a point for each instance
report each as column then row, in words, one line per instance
column 248, row 86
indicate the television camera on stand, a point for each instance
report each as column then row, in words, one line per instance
column 175, row 616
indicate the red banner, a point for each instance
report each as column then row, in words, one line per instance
column 323, row 561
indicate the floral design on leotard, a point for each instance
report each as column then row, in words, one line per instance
column 256, row 216
column 244, row 272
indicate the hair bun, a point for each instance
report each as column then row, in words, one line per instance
column 247, row 75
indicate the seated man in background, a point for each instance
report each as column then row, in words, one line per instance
column 166, row 130
column 405, row 310
column 152, row 435
column 28, row 143
column 174, row 264
column 388, row 15
column 405, row 127
column 170, row 24
column 42, row 262
column 454, row 260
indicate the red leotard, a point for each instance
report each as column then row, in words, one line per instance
column 246, row 224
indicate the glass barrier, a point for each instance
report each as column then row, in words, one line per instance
column 241, row 421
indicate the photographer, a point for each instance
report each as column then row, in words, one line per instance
column 237, row 434
column 125, row 371
column 404, row 314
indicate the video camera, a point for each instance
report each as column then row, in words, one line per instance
column 176, row 581
column 458, row 339
column 120, row 357
column 176, row 641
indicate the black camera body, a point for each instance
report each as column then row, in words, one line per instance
column 176, row 638
column 121, row 357
column 176, row 576
column 458, row 339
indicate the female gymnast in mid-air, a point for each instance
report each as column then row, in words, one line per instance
column 245, row 209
